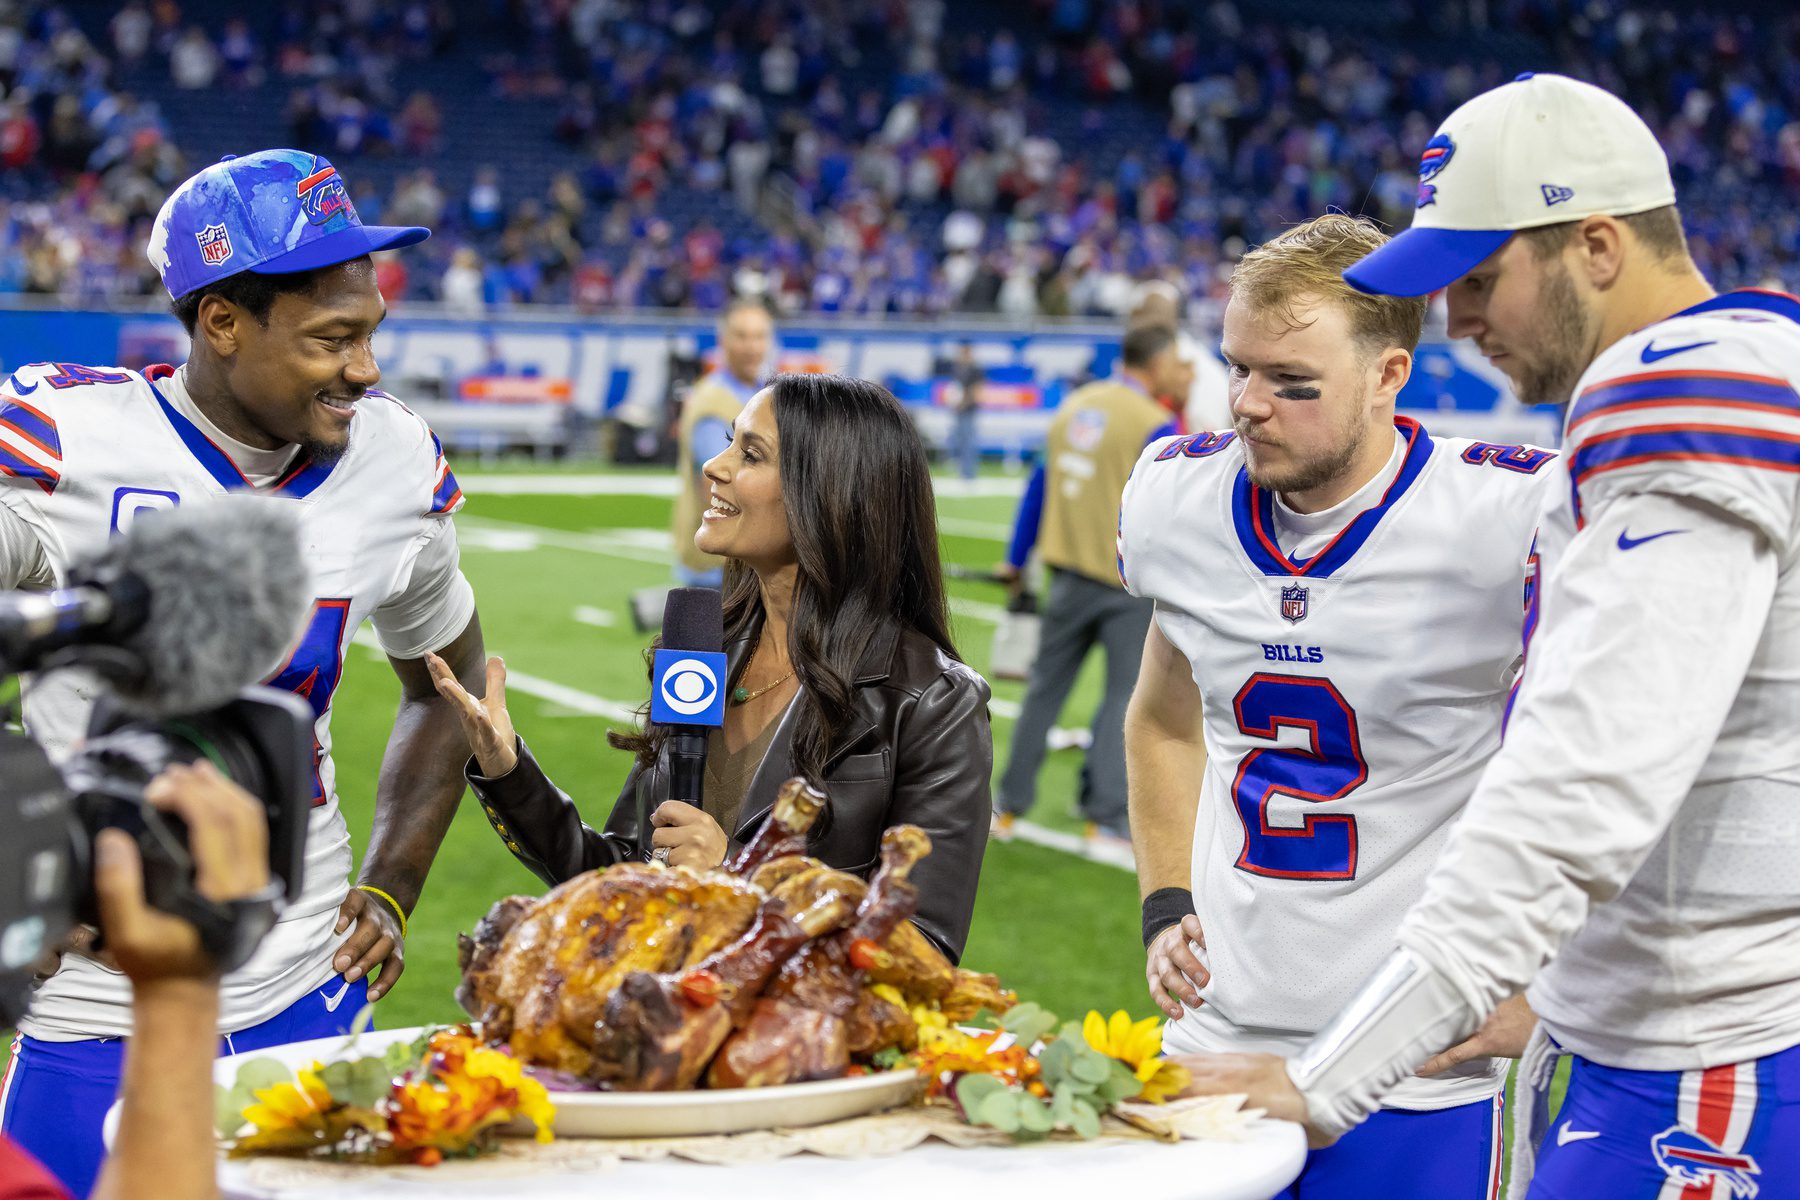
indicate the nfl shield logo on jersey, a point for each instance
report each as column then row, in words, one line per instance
column 1293, row 604
column 215, row 245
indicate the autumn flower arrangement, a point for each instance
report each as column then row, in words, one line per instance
column 1033, row 1075
column 444, row 1095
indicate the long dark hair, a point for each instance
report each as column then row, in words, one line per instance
column 856, row 485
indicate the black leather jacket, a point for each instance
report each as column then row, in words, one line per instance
column 920, row 752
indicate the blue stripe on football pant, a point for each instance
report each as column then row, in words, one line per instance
column 58, row 1092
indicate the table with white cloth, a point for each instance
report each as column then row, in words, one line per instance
column 1263, row 1157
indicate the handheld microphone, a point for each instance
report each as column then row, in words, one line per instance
column 178, row 612
column 687, row 685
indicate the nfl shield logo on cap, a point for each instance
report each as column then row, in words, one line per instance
column 215, row 245
column 275, row 212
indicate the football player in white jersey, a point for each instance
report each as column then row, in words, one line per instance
column 1339, row 596
column 1632, row 852
column 268, row 268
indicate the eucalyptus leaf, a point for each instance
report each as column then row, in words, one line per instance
column 1034, row 1116
column 337, row 1078
column 1122, row 1084
column 1055, row 1060
column 368, row 1082
column 971, row 1090
column 1019, row 1014
column 1091, row 1068
column 228, row 1114
column 1085, row 1120
column 259, row 1073
column 1001, row 1110
column 1062, row 1107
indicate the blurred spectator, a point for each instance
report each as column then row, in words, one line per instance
column 463, row 284
column 421, row 125
column 194, row 63
column 485, row 207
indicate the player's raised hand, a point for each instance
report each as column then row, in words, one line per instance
column 1502, row 1035
column 485, row 721
column 1173, row 971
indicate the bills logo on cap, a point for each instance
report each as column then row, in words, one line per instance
column 215, row 245
column 322, row 196
column 1438, row 153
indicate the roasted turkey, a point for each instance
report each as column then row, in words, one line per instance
column 639, row 977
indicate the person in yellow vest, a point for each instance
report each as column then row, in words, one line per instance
column 1070, row 511
column 746, row 337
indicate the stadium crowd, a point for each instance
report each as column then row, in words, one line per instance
column 864, row 156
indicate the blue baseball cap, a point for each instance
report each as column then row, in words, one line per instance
column 275, row 212
column 1538, row 151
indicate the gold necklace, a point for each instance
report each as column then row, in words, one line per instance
column 740, row 696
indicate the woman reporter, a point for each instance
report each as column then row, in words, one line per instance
column 840, row 669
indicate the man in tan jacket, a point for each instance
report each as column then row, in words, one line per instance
column 746, row 337
column 1071, row 512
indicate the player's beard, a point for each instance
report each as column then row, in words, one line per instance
column 1324, row 467
column 1559, row 342
column 324, row 453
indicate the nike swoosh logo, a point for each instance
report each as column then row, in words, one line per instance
column 1653, row 354
column 1627, row 542
column 1565, row 1135
column 332, row 1002
column 18, row 388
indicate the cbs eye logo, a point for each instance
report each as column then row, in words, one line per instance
column 689, row 686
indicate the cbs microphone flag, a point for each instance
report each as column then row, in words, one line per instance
column 687, row 687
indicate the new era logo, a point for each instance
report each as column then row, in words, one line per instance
column 1554, row 195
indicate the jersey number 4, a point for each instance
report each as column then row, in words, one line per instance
column 1330, row 767
column 313, row 670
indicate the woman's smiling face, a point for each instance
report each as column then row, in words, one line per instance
column 746, row 518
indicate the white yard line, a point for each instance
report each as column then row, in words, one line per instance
column 587, row 614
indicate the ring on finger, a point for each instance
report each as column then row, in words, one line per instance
column 661, row 855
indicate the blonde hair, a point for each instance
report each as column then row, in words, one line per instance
column 1306, row 264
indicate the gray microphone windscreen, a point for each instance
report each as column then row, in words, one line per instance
column 228, row 589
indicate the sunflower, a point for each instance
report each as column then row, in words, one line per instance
column 1139, row 1046
column 292, row 1106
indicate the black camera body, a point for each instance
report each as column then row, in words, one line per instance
column 262, row 740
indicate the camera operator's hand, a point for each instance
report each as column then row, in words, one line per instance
column 485, row 721
column 228, row 835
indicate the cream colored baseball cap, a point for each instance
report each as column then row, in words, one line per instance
column 1537, row 151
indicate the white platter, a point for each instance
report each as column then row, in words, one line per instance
column 647, row 1114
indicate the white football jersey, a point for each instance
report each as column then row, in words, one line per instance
column 83, row 452
column 1697, row 961
column 1351, row 700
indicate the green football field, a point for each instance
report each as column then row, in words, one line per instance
column 552, row 575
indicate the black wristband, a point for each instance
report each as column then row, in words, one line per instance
column 1165, row 907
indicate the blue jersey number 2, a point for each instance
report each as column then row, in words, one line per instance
column 313, row 670
column 1330, row 767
